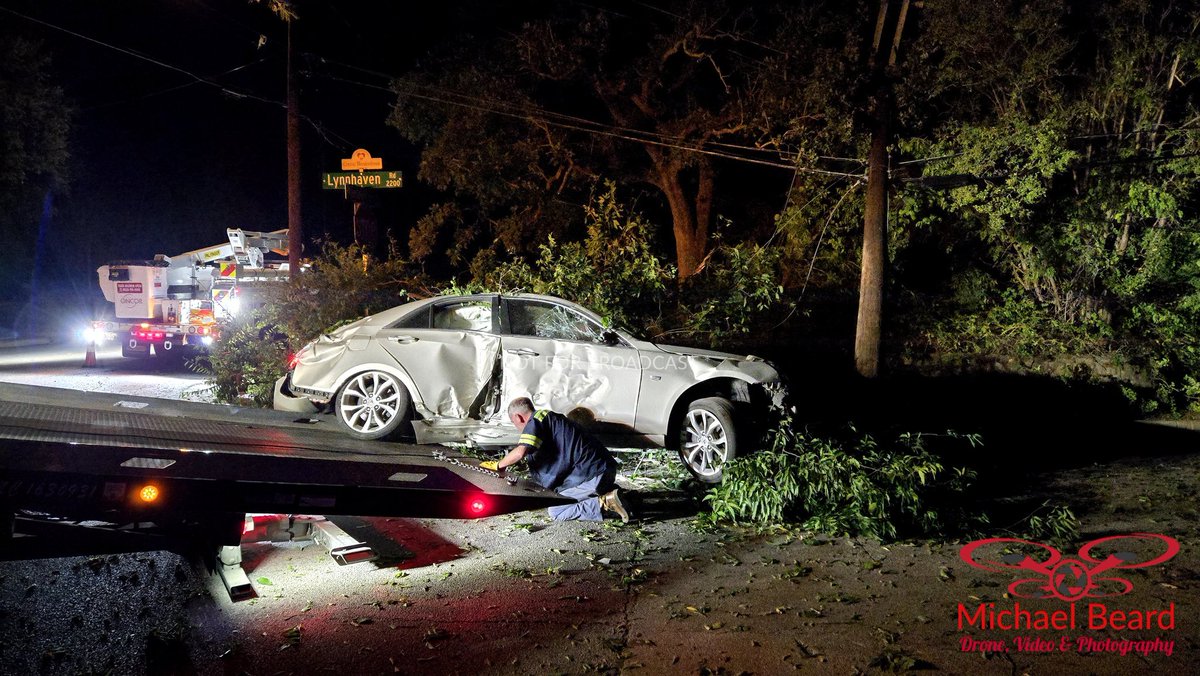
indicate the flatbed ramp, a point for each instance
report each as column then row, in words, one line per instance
column 200, row 469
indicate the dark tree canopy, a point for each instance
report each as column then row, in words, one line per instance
column 514, row 125
column 34, row 126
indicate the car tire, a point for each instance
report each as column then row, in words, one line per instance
column 708, row 438
column 372, row 405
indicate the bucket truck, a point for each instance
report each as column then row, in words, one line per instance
column 173, row 302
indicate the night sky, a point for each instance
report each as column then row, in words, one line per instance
column 163, row 163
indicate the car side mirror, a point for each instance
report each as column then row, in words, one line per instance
column 610, row 337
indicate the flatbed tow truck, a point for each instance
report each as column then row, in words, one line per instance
column 87, row 472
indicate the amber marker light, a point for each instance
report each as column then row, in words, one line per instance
column 149, row 493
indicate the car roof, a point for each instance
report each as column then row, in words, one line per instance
column 395, row 313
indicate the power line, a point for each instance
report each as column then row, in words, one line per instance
column 611, row 134
column 560, row 120
column 168, row 90
column 196, row 79
column 564, row 121
column 493, row 105
column 130, row 52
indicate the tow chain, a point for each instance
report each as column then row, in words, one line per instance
column 440, row 455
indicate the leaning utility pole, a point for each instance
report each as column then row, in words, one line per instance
column 869, row 330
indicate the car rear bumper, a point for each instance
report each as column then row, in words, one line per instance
column 286, row 401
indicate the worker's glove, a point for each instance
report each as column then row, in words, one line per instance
column 493, row 465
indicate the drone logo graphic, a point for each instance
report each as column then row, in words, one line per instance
column 1068, row 579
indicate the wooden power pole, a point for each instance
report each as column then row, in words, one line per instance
column 868, row 333
column 295, row 229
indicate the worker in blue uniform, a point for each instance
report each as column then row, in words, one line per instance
column 564, row 458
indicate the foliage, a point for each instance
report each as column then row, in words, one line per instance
column 614, row 271
column 341, row 285
column 1077, row 173
column 859, row 487
column 243, row 366
column 34, row 126
column 516, row 123
column 1012, row 324
column 35, row 121
column 504, row 179
column 737, row 287
column 821, row 234
column 1055, row 524
column 1045, row 168
column 285, row 10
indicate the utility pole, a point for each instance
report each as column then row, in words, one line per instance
column 295, row 229
column 868, row 332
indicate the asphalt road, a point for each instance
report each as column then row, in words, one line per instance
column 519, row 594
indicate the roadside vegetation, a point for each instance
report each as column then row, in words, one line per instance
column 343, row 283
column 852, row 486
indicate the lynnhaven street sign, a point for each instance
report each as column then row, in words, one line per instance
column 340, row 180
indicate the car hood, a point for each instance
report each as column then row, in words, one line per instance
column 698, row 352
column 705, row 363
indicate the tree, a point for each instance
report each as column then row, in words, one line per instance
column 34, row 134
column 643, row 94
column 1080, row 135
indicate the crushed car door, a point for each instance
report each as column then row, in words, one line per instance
column 450, row 354
column 559, row 358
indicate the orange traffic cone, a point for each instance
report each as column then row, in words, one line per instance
column 89, row 360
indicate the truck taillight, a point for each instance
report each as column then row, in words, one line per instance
column 149, row 493
column 477, row 505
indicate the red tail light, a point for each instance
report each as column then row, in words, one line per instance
column 477, row 506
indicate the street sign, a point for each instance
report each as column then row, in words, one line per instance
column 361, row 159
column 340, row 180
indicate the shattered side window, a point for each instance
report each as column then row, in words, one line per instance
column 466, row 316
column 546, row 320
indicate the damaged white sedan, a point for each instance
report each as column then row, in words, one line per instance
column 445, row 369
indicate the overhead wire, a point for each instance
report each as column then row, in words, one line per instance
column 549, row 117
column 553, row 118
column 574, row 123
column 134, row 54
column 321, row 130
column 488, row 104
column 816, row 250
column 168, row 90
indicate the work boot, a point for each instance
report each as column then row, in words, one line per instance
column 611, row 502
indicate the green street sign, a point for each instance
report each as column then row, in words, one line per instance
column 340, row 180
